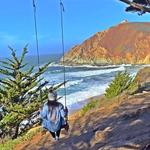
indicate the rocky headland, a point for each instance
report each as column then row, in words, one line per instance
column 125, row 43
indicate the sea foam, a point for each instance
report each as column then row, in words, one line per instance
column 95, row 72
column 84, row 94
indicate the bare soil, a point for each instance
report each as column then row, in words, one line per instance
column 119, row 124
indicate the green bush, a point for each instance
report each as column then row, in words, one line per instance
column 133, row 88
column 121, row 82
column 92, row 104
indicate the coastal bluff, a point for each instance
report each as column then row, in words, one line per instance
column 125, row 43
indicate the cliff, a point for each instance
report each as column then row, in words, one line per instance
column 126, row 43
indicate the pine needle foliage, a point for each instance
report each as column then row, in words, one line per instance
column 121, row 82
column 21, row 92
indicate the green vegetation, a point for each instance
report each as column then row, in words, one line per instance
column 21, row 93
column 92, row 104
column 10, row 144
column 121, row 82
column 133, row 88
column 141, row 81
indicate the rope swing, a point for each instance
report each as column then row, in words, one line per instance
column 63, row 47
column 37, row 42
column 36, row 34
column 62, row 42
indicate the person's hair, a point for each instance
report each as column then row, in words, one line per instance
column 50, row 89
column 52, row 105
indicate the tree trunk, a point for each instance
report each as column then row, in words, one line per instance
column 16, row 131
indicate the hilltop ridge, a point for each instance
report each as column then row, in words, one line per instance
column 125, row 43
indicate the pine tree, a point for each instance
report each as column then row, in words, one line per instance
column 21, row 92
column 121, row 82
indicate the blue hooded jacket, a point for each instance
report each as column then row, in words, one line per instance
column 53, row 118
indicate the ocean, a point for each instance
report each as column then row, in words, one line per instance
column 83, row 81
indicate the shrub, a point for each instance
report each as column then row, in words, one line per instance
column 121, row 82
column 133, row 88
column 92, row 104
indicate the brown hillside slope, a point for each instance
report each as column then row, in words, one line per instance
column 116, row 125
column 122, row 123
column 124, row 43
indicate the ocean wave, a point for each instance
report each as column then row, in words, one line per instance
column 75, row 82
column 147, row 65
column 94, row 72
column 71, row 83
column 56, row 71
column 84, row 94
column 104, row 66
column 68, row 84
column 53, row 64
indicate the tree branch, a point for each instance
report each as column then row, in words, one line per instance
column 137, row 6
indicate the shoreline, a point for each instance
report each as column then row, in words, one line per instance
column 78, row 106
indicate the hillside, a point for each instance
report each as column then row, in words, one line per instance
column 115, row 126
column 121, row 123
column 127, row 43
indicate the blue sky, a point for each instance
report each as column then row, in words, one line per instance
column 82, row 19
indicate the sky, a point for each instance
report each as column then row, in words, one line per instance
column 82, row 19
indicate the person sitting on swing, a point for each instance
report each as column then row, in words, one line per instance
column 53, row 115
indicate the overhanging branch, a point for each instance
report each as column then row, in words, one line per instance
column 138, row 6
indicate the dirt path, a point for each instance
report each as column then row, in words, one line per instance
column 120, row 125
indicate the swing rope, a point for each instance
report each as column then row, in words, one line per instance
column 63, row 47
column 36, row 34
column 37, row 42
column 62, row 42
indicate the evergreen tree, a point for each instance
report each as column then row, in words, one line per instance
column 21, row 92
column 121, row 82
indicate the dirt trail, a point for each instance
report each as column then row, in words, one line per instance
column 121, row 125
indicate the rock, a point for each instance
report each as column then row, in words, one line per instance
column 143, row 78
column 100, row 136
column 141, row 83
